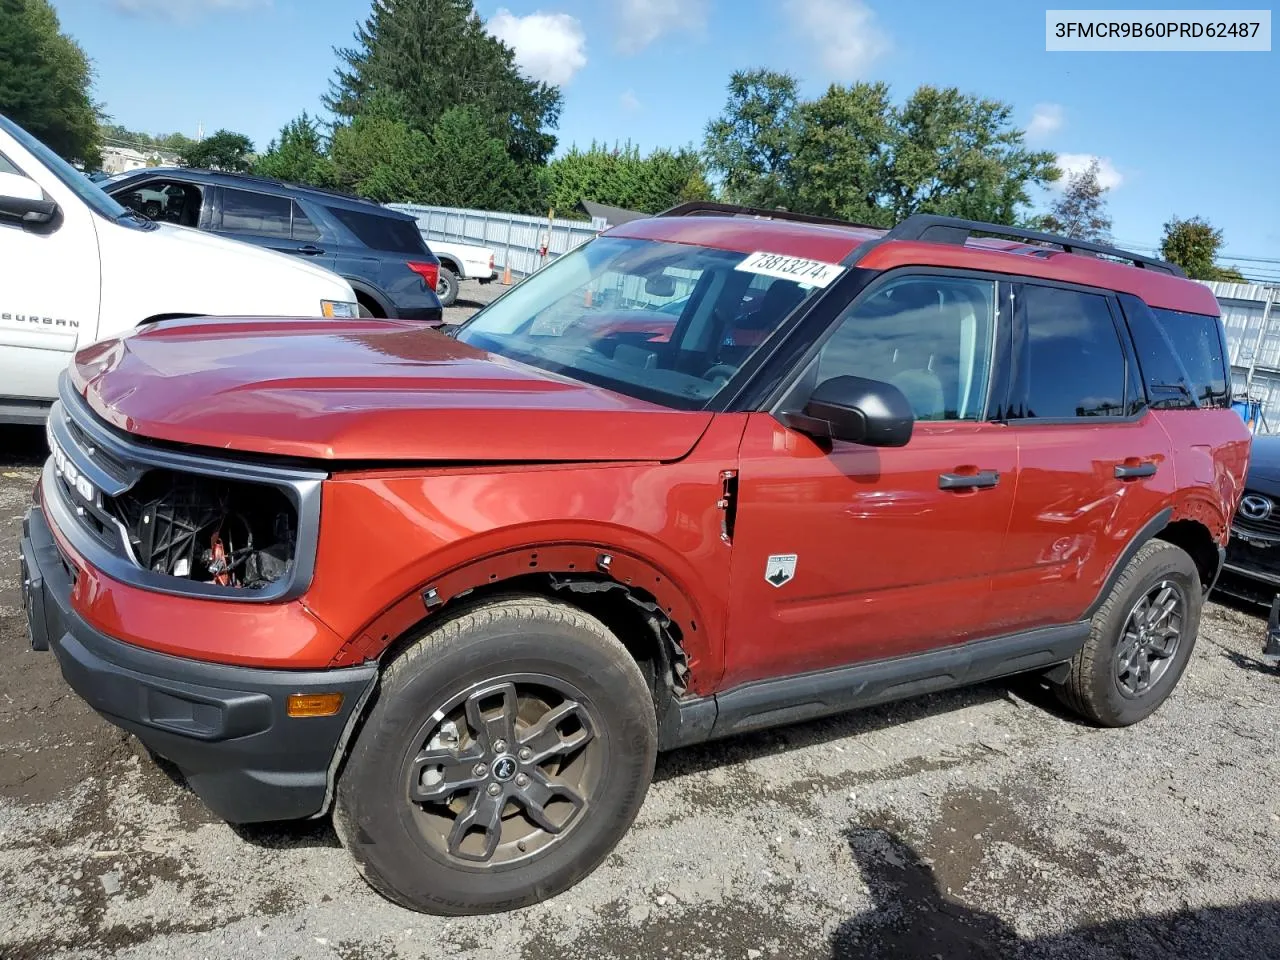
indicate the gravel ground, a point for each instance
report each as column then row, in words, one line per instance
column 981, row 823
column 472, row 296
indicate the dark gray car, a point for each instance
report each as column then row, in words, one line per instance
column 379, row 251
column 1252, row 570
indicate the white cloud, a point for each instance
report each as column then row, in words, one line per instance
column 630, row 102
column 843, row 35
column 549, row 46
column 185, row 9
column 1046, row 119
column 640, row 22
column 1072, row 163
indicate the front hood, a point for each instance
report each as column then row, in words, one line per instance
column 210, row 249
column 367, row 390
column 1264, row 464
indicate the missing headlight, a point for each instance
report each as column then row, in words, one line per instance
column 224, row 532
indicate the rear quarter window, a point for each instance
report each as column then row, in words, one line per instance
column 1182, row 355
column 389, row 234
column 1197, row 341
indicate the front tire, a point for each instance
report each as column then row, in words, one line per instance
column 1141, row 640
column 447, row 287
column 509, row 750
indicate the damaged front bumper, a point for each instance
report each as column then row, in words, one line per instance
column 225, row 727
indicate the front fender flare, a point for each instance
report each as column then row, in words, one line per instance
column 560, row 560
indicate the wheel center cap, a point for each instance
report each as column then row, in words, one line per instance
column 504, row 768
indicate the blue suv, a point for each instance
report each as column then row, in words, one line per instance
column 379, row 251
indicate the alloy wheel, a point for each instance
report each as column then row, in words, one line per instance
column 504, row 771
column 1150, row 639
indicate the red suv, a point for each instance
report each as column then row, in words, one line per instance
column 710, row 472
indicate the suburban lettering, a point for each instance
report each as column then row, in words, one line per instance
column 33, row 318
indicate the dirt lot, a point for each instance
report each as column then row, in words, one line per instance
column 982, row 823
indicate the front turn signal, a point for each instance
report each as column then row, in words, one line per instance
column 313, row 704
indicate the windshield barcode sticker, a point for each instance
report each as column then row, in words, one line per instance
column 810, row 273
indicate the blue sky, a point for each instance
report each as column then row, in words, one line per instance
column 1177, row 133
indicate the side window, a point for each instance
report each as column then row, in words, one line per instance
column 931, row 337
column 6, row 166
column 1166, row 378
column 257, row 213
column 303, row 228
column 168, row 201
column 1197, row 341
column 1072, row 363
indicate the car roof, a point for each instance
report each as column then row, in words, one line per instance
column 281, row 188
column 831, row 242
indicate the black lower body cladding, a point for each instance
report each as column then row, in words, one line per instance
column 224, row 727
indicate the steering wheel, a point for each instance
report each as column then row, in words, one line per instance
column 721, row 372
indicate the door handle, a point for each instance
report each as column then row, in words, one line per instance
column 1135, row 471
column 310, row 249
column 969, row 481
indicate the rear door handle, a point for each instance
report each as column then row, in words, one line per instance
column 969, row 481
column 311, row 250
column 1135, row 471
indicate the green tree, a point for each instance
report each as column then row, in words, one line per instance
column 1193, row 244
column 750, row 145
column 851, row 153
column 434, row 55
column 46, row 81
column 223, row 150
column 471, row 168
column 382, row 158
column 298, row 155
column 842, row 164
column 1081, row 211
column 623, row 178
column 959, row 155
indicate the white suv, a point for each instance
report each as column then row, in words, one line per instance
column 78, row 268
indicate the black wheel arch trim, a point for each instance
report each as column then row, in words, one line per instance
column 1139, row 540
column 373, row 293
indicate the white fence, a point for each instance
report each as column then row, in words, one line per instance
column 514, row 238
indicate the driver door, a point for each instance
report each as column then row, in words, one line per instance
column 49, row 293
column 844, row 552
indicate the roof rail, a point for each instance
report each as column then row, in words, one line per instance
column 932, row 228
column 276, row 182
column 699, row 208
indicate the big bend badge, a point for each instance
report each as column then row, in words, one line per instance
column 780, row 568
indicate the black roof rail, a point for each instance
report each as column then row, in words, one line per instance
column 276, row 182
column 700, row 208
column 936, row 229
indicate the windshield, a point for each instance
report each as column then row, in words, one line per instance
column 73, row 179
column 666, row 322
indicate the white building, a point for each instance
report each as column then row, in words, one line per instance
column 1251, row 315
column 117, row 158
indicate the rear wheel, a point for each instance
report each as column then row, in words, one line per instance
column 447, row 287
column 509, row 750
column 1141, row 640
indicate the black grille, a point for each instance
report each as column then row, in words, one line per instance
column 1269, row 525
column 1257, row 559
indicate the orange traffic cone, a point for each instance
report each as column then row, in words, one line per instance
column 506, row 275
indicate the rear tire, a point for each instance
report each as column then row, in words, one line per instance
column 483, row 724
column 1141, row 640
column 447, row 287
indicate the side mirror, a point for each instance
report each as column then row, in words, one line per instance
column 858, row 410
column 22, row 199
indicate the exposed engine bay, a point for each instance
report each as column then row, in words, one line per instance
column 224, row 532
